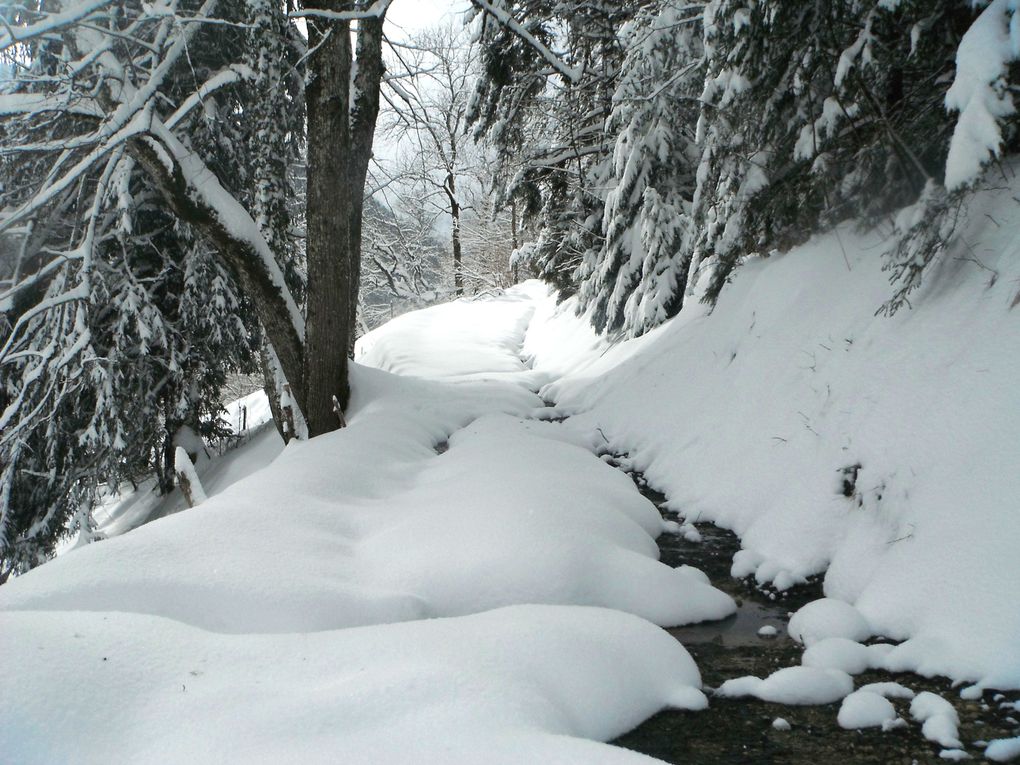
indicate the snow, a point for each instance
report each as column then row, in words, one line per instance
column 954, row 755
column 845, row 655
column 889, row 690
column 185, row 471
column 938, row 717
column 768, row 631
column 865, row 709
column 251, row 411
column 780, row 724
column 747, row 416
column 828, row 618
column 1003, row 749
column 516, row 684
column 979, row 92
column 363, row 584
column 792, row 685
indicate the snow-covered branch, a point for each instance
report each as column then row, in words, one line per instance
column 495, row 9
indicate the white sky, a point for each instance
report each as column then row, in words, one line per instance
column 406, row 16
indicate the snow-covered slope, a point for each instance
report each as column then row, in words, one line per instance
column 762, row 415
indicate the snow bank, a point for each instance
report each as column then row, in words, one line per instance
column 880, row 451
column 527, row 683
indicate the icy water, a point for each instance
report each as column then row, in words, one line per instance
column 740, row 730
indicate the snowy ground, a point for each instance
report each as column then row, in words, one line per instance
column 453, row 579
column 285, row 590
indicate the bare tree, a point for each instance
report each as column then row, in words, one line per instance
column 428, row 111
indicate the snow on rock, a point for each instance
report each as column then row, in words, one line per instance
column 1003, row 749
column 889, row 690
column 846, row 655
column 954, row 755
column 792, row 685
column 938, row 717
column 828, row 618
column 526, row 683
column 780, row 724
column 768, row 631
column 865, row 709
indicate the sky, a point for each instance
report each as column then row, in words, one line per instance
column 406, row 16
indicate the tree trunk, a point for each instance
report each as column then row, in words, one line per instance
column 329, row 194
column 458, row 268
column 364, row 113
column 341, row 130
column 515, row 270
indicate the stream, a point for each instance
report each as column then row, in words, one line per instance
column 740, row 730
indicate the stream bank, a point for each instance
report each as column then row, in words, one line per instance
column 740, row 730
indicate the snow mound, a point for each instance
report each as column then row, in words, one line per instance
column 864, row 709
column 1003, row 749
column 828, row 618
column 845, row 655
column 889, row 690
column 526, row 683
column 792, row 685
column 938, row 717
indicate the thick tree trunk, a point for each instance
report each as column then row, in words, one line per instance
column 330, row 195
column 341, row 129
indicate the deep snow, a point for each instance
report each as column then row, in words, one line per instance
column 316, row 556
column 340, row 598
column 763, row 414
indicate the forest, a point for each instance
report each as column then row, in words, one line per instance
column 737, row 275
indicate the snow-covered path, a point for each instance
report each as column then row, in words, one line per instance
column 263, row 624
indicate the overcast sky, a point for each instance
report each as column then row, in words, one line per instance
column 405, row 16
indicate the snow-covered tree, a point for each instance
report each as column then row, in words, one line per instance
column 542, row 102
column 141, row 205
column 636, row 280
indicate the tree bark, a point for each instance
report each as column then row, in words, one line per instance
column 364, row 114
column 329, row 200
column 341, row 130
column 458, row 268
